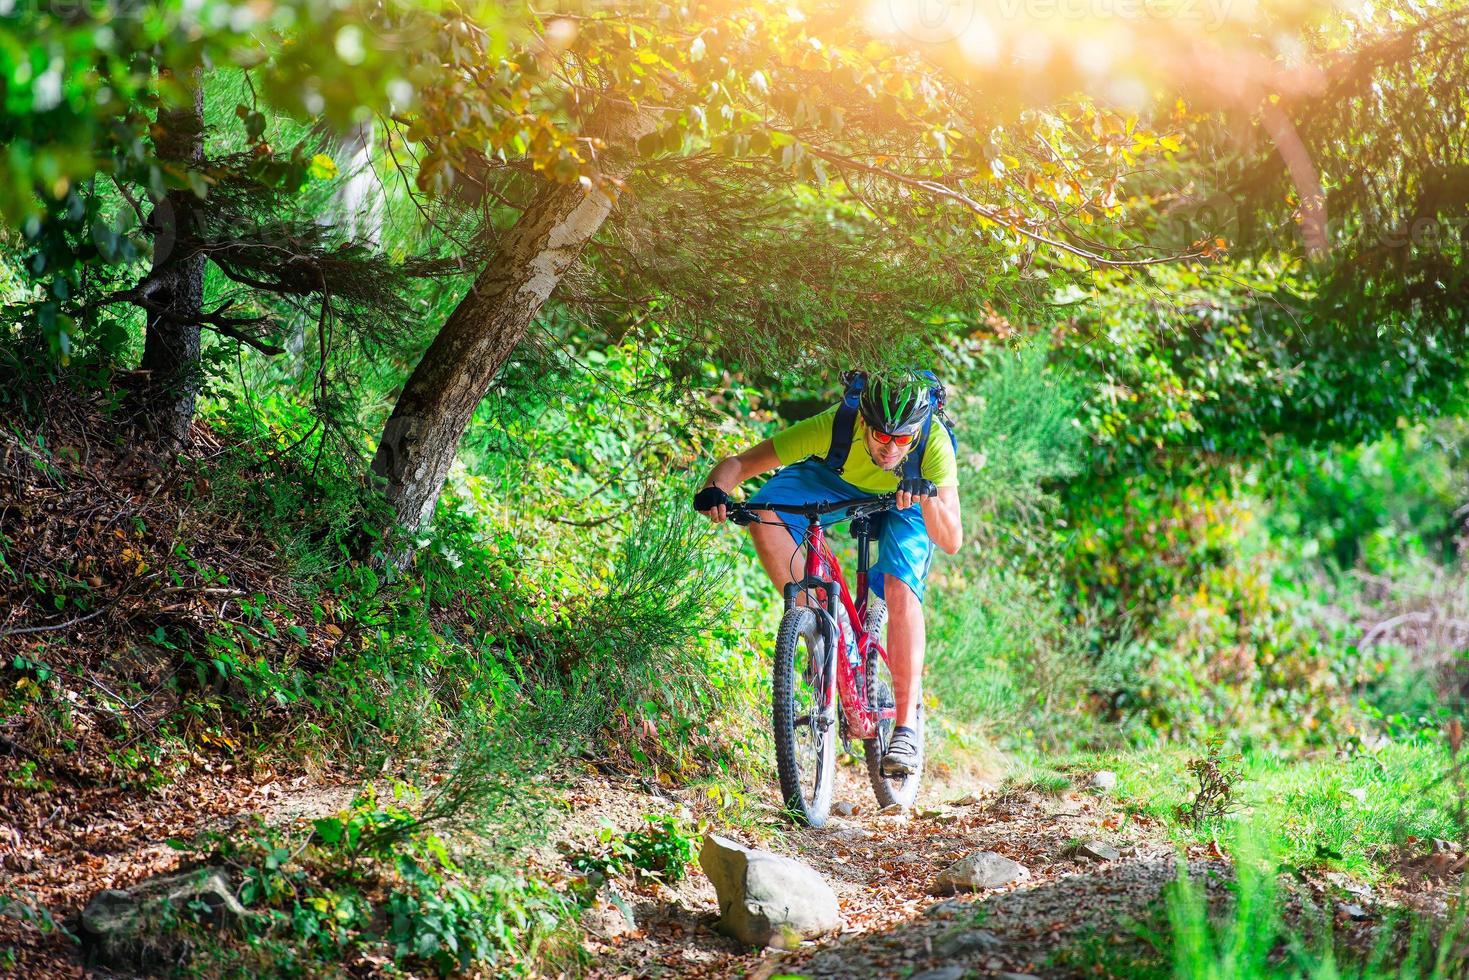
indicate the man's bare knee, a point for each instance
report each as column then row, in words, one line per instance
column 768, row 537
column 901, row 599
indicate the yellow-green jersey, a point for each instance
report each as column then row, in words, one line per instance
column 812, row 437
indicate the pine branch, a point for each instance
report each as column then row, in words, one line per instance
column 229, row 326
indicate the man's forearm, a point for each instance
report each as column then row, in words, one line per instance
column 726, row 474
column 731, row 471
column 941, row 518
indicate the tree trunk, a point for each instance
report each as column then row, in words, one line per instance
column 422, row 436
column 174, row 289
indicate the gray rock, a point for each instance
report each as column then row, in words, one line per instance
column 1016, row 976
column 1096, row 850
column 843, row 830
column 130, row 930
column 1354, row 912
column 978, row 871
column 1104, row 780
column 891, row 810
column 766, row 899
column 962, row 942
column 844, row 808
column 952, row 972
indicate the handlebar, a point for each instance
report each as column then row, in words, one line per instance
column 856, row 507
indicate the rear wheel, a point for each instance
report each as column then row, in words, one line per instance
column 901, row 790
column 805, row 726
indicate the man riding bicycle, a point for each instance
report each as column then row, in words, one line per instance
column 841, row 454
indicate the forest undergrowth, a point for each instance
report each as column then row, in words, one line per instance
column 181, row 624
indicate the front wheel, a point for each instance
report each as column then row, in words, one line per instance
column 805, row 726
column 901, row 790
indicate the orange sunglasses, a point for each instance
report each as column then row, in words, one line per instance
column 901, row 439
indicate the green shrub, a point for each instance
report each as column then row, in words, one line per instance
column 370, row 879
column 661, row 849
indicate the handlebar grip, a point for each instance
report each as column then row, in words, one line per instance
column 919, row 487
column 709, row 498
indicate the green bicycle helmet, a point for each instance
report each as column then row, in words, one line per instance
column 896, row 402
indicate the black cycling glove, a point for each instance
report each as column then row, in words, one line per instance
column 918, row 487
column 709, row 498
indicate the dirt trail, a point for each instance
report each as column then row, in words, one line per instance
column 881, row 868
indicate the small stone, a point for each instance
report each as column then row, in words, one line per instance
column 940, row 816
column 1348, row 885
column 951, row 972
column 968, row 799
column 1095, row 850
column 1016, row 976
column 947, row 909
column 1354, row 912
column 979, row 871
column 844, row 808
column 891, row 810
column 1441, row 846
column 1360, row 795
column 1104, row 780
column 849, row 831
column 962, row 942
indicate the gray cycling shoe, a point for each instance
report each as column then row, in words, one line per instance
column 901, row 758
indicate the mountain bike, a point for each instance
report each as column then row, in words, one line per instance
column 831, row 673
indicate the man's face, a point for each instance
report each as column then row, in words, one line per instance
column 887, row 456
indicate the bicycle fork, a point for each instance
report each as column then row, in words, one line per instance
column 831, row 640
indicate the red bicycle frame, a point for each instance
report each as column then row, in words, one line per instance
column 822, row 566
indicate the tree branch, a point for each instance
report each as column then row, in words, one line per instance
column 228, row 326
column 935, row 189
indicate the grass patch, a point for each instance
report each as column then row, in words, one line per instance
column 1251, row 927
column 1324, row 809
column 1036, row 777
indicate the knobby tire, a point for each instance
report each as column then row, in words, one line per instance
column 807, row 794
column 901, row 790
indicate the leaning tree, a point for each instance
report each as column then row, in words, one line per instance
column 794, row 98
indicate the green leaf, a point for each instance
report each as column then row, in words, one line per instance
column 322, row 167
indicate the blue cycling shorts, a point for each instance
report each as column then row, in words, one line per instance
column 904, row 549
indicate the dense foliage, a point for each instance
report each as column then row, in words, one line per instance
column 1212, row 462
